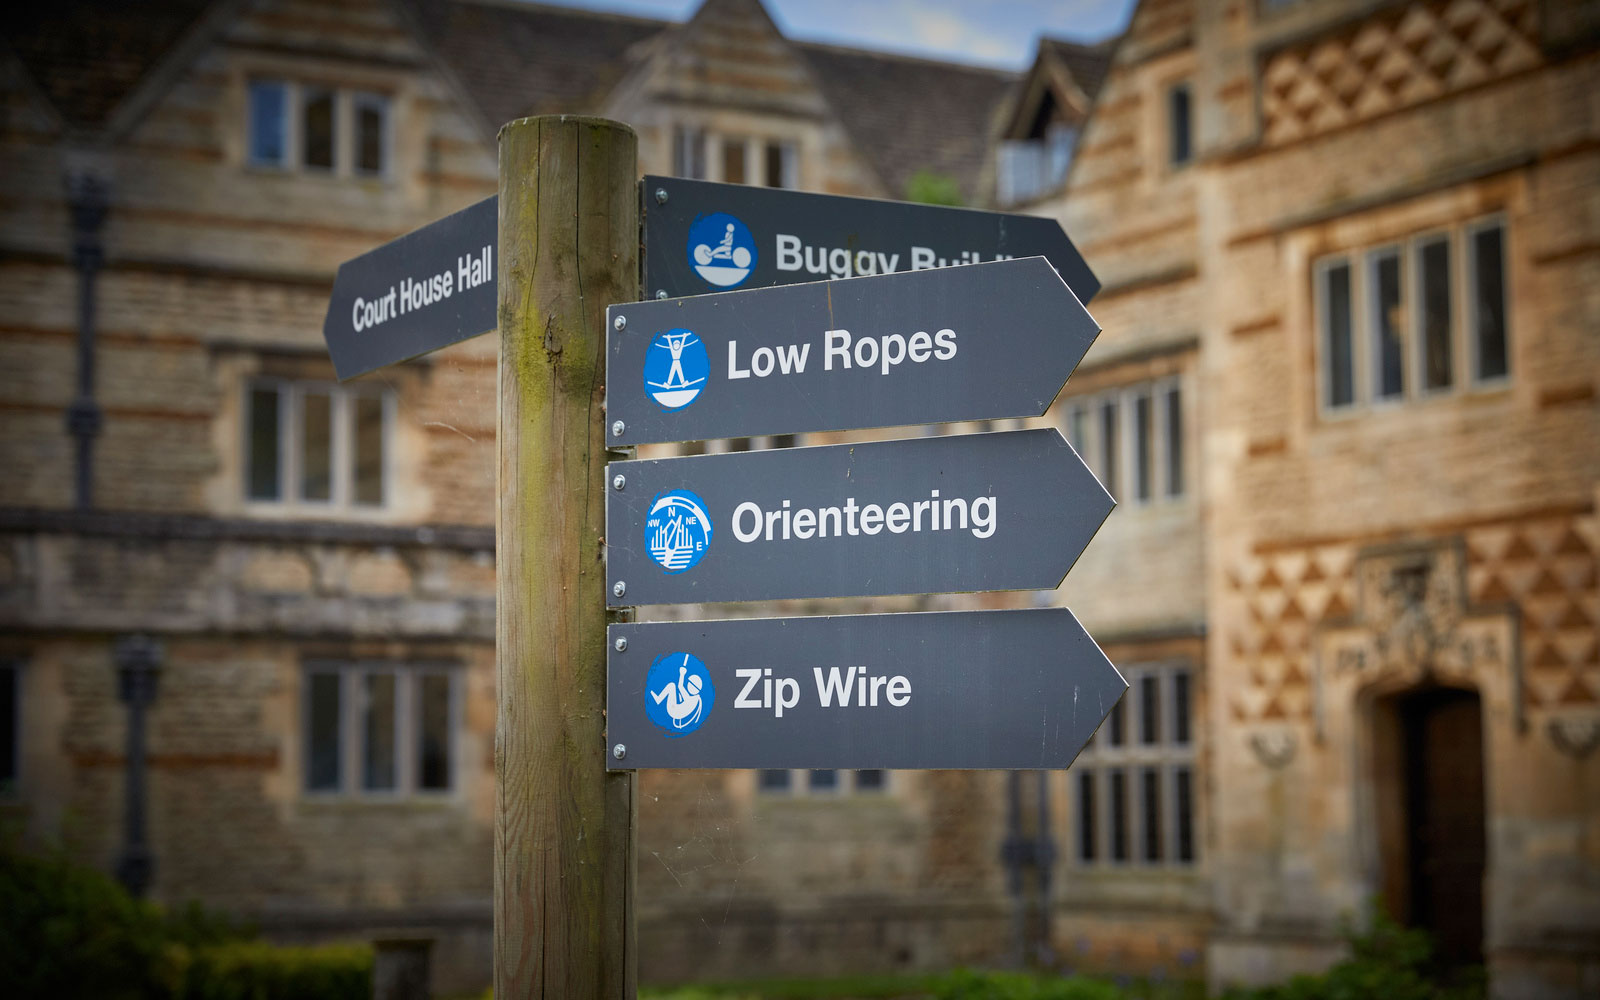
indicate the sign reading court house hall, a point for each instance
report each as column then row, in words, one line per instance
column 423, row 291
column 984, row 341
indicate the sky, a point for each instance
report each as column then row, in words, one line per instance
column 1000, row 33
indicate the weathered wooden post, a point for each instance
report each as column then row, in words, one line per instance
column 564, row 828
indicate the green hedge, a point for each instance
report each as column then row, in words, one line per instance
column 69, row 931
column 254, row 970
column 1386, row 960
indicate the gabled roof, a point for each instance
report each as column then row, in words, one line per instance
column 902, row 114
column 1088, row 64
column 905, row 114
column 1065, row 76
column 517, row 59
column 514, row 59
column 86, row 56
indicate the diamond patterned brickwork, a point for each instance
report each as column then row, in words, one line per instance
column 1393, row 60
column 1550, row 570
column 1285, row 596
column 1544, row 570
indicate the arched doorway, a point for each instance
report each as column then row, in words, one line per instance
column 1429, row 778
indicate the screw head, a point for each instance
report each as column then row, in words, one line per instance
column 620, row 323
column 661, row 196
column 621, row 644
column 661, row 293
column 619, row 481
column 617, row 427
column 618, row 589
column 619, row 751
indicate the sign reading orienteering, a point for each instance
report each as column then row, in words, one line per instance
column 704, row 237
column 1006, row 511
column 965, row 689
column 985, row 341
column 423, row 291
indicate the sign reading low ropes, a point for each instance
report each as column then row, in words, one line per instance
column 984, row 341
column 426, row 290
column 704, row 237
column 964, row 689
column 1003, row 511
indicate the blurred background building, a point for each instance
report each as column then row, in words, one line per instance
column 1346, row 396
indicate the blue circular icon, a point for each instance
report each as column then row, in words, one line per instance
column 721, row 249
column 677, row 531
column 676, row 367
column 678, row 694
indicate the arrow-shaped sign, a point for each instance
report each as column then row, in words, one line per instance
column 985, row 341
column 426, row 290
column 964, row 689
column 1006, row 511
column 703, row 237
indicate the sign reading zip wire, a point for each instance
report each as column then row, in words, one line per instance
column 963, row 689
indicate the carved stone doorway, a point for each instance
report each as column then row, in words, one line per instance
column 1428, row 745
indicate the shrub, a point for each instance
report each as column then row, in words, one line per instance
column 254, row 970
column 1387, row 961
column 964, row 984
column 69, row 931
column 932, row 188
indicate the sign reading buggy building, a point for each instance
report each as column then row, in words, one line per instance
column 981, row 342
column 792, row 236
column 1007, row 511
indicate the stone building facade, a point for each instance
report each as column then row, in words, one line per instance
column 315, row 559
column 1362, row 237
column 1346, row 397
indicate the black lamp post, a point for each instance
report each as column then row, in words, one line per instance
column 138, row 662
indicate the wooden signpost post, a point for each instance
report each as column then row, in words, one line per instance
column 564, row 826
column 981, row 512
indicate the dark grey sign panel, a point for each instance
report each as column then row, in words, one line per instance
column 425, row 290
column 703, row 237
column 980, row 342
column 964, row 689
column 1005, row 511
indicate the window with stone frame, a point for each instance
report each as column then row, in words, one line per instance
column 1133, row 789
column 316, row 445
column 699, row 154
column 10, row 727
column 317, row 128
column 1413, row 318
column 1132, row 437
column 374, row 728
column 1180, row 125
column 821, row 781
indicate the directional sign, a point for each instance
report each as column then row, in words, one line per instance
column 701, row 237
column 964, row 689
column 979, row 342
column 425, row 290
column 1006, row 511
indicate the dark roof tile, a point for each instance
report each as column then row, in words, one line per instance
column 1088, row 64
column 518, row 59
column 904, row 114
column 87, row 56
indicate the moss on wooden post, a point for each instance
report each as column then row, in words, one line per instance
column 564, row 828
